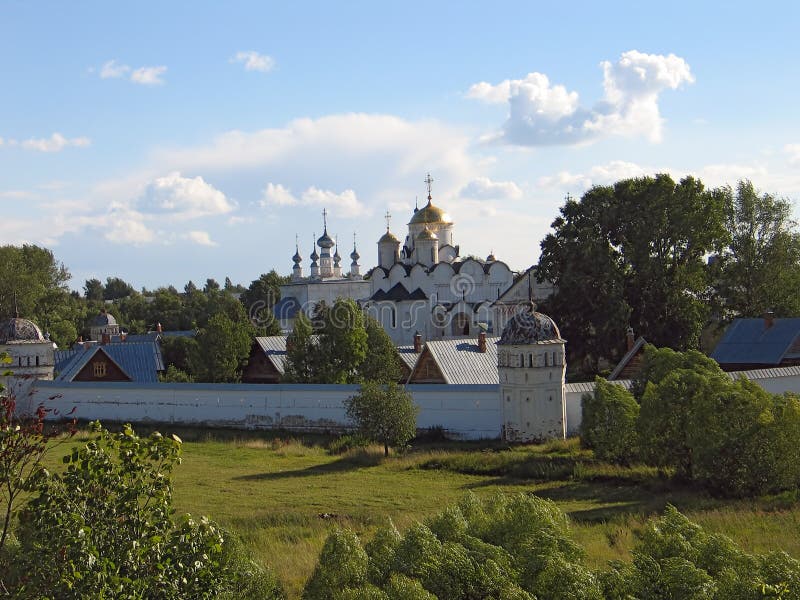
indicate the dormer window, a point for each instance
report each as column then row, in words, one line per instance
column 100, row 369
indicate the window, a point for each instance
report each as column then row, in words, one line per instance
column 37, row 360
column 100, row 369
column 394, row 318
column 530, row 360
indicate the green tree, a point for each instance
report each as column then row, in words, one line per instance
column 341, row 344
column 260, row 298
column 381, row 364
column 760, row 269
column 609, row 420
column 386, row 414
column 223, row 347
column 300, row 352
column 633, row 253
column 32, row 282
column 104, row 528
column 116, row 288
column 94, row 290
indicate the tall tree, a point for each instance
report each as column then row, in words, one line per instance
column 341, row 342
column 32, row 282
column 760, row 269
column 94, row 290
column 117, row 288
column 633, row 254
column 381, row 364
column 299, row 351
column 223, row 347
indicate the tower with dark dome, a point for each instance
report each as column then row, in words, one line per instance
column 32, row 355
column 531, row 366
column 102, row 325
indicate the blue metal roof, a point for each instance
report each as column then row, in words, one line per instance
column 286, row 308
column 750, row 341
column 140, row 361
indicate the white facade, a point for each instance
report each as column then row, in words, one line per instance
column 31, row 356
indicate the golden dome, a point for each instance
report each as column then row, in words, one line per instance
column 430, row 214
column 426, row 234
column 388, row 237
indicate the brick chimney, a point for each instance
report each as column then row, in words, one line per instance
column 158, row 328
column 769, row 319
column 417, row 342
column 482, row 342
column 106, row 339
column 123, row 336
column 629, row 339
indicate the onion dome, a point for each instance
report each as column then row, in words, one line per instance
column 103, row 319
column 314, row 256
column 430, row 214
column 529, row 327
column 325, row 241
column 19, row 331
column 388, row 237
column 491, row 258
column 336, row 258
column 426, row 234
column 297, row 259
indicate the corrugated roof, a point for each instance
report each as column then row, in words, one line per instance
column 274, row 347
column 750, row 341
column 140, row 361
column 766, row 373
column 408, row 356
column 627, row 358
column 461, row 363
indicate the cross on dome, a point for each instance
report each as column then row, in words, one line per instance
column 428, row 182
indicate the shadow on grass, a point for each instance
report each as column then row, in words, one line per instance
column 344, row 464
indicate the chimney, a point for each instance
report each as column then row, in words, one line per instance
column 769, row 319
column 106, row 339
column 158, row 328
column 123, row 336
column 629, row 338
column 417, row 342
column 482, row 342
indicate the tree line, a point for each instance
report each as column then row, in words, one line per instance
column 675, row 261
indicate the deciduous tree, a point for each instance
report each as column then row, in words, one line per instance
column 384, row 413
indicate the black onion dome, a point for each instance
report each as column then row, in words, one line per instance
column 325, row 241
column 20, row 330
column 529, row 327
column 297, row 258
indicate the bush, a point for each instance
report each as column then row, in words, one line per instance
column 104, row 528
column 609, row 423
column 345, row 443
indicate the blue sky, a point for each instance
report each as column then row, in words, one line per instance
column 162, row 142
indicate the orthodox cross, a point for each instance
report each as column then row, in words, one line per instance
column 429, row 181
column 325, row 218
column 354, row 240
column 388, row 218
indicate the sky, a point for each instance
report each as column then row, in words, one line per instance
column 163, row 142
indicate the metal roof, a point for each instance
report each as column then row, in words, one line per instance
column 750, row 341
column 274, row 347
column 461, row 363
column 140, row 361
column 408, row 356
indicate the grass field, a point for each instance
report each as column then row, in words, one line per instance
column 283, row 495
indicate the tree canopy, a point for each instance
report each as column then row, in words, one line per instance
column 383, row 413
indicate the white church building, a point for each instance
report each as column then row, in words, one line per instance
column 420, row 285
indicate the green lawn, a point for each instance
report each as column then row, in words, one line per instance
column 284, row 495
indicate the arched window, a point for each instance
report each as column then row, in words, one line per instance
column 521, row 360
column 530, row 360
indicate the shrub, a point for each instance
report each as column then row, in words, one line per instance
column 384, row 413
column 609, row 422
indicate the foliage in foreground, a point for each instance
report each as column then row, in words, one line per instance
column 520, row 547
column 104, row 528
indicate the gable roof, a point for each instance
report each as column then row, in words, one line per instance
column 408, row 356
column 139, row 361
column 750, row 341
column 274, row 348
column 625, row 360
column 460, row 362
column 398, row 293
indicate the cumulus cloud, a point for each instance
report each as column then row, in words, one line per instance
column 180, row 198
column 201, row 238
column 142, row 75
column 596, row 175
column 344, row 204
column 55, row 143
column 253, row 61
column 542, row 113
column 483, row 188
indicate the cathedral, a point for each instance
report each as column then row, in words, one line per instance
column 420, row 285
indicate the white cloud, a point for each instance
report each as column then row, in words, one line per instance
column 483, row 188
column 793, row 153
column 124, row 226
column 253, row 61
column 179, row 198
column 201, row 238
column 142, row 75
column 541, row 113
column 597, row 175
column 55, row 143
column 345, row 204
column 113, row 70
column 148, row 75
